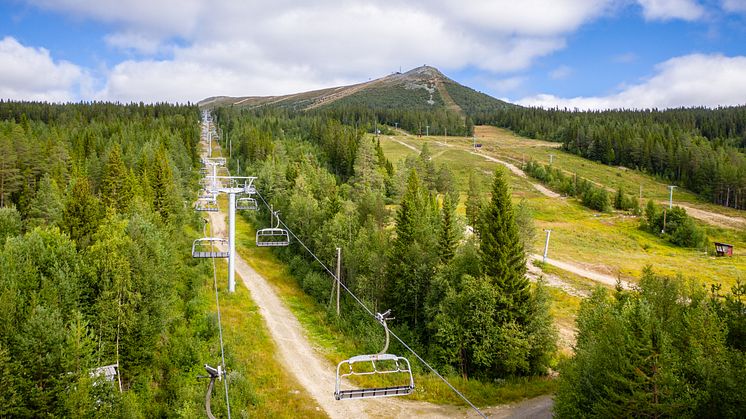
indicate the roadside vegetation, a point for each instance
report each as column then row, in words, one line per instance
column 440, row 285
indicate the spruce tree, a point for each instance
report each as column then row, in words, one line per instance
column 414, row 253
column 116, row 185
column 82, row 212
column 165, row 195
column 10, row 177
column 503, row 258
column 448, row 235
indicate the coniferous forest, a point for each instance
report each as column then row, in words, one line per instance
column 93, row 227
column 96, row 217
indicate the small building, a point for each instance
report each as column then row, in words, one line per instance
column 723, row 249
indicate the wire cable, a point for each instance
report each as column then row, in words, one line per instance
column 220, row 326
column 360, row 302
column 220, row 333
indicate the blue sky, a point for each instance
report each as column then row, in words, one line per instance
column 568, row 53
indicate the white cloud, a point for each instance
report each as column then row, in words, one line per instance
column 671, row 9
column 28, row 73
column 134, row 42
column 165, row 17
column 690, row 80
column 242, row 47
column 560, row 73
column 737, row 6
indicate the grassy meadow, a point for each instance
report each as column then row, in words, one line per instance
column 609, row 243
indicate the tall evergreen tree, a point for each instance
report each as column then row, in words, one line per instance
column 47, row 205
column 116, row 185
column 10, row 176
column 447, row 240
column 413, row 255
column 429, row 175
column 367, row 176
column 82, row 212
column 162, row 182
column 503, row 259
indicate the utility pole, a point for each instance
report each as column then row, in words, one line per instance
column 339, row 265
column 670, row 196
column 546, row 245
column 427, row 130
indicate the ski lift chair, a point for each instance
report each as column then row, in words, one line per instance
column 247, row 203
column 272, row 236
column 387, row 364
column 206, row 248
column 207, row 204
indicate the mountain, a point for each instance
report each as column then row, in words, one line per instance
column 422, row 88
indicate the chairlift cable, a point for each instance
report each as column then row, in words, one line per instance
column 220, row 333
column 374, row 315
column 220, row 327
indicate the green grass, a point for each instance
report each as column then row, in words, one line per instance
column 609, row 243
column 503, row 143
column 260, row 386
column 336, row 345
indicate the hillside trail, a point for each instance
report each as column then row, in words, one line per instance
column 313, row 372
column 581, row 271
column 513, row 168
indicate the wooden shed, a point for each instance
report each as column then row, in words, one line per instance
column 723, row 249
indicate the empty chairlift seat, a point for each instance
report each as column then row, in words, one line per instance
column 273, row 236
column 394, row 366
column 207, row 247
column 268, row 237
column 207, row 204
column 247, row 203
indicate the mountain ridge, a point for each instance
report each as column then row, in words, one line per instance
column 422, row 88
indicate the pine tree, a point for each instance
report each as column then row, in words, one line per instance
column 47, row 206
column 165, row 197
column 10, row 179
column 448, row 235
column 503, row 259
column 414, row 254
column 367, row 176
column 82, row 212
column 429, row 174
column 116, row 186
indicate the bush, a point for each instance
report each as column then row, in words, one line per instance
column 674, row 225
column 597, row 199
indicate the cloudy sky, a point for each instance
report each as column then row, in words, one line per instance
column 574, row 53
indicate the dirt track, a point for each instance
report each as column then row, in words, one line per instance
column 585, row 273
column 317, row 375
